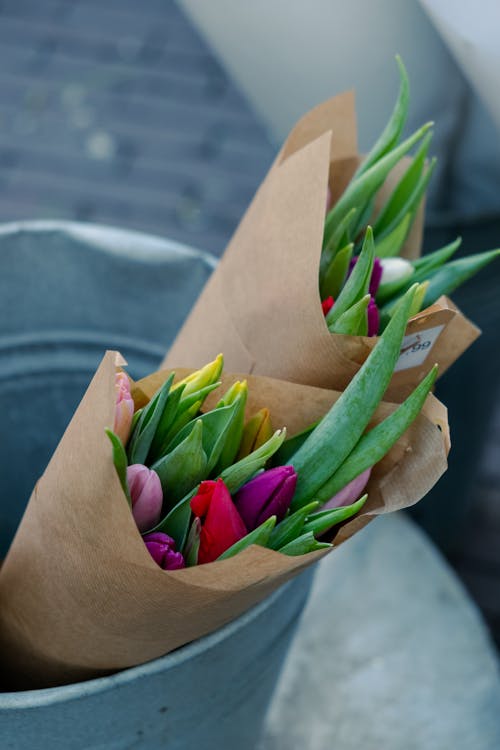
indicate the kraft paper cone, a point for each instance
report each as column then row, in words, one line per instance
column 80, row 595
column 261, row 306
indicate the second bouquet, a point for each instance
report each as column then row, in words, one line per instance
column 174, row 504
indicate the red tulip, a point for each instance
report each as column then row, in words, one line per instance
column 222, row 525
column 327, row 305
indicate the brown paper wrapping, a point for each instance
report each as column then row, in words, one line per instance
column 261, row 307
column 79, row 594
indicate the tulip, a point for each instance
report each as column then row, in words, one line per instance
column 146, row 495
column 373, row 318
column 350, row 493
column 162, row 549
column 256, row 432
column 327, row 305
column 268, row 494
column 124, row 412
column 206, row 376
column 222, row 525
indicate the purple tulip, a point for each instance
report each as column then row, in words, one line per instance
column 373, row 316
column 376, row 277
column 161, row 547
column 146, row 495
column 269, row 494
column 350, row 493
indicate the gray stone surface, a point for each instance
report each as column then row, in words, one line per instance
column 390, row 654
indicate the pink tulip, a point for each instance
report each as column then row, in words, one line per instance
column 146, row 495
column 350, row 493
column 124, row 407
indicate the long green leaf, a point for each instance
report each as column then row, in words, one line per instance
column 319, row 523
column 336, row 273
column 120, row 462
column 358, row 282
column 362, row 189
column 404, row 189
column 392, row 131
column 184, row 467
column 340, row 429
column 238, row 474
column 373, row 446
column 354, row 322
column 447, row 278
column 259, row 536
column 147, row 424
column 290, row 527
column 302, row 545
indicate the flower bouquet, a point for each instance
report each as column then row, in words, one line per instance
column 302, row 296
column 174, row 504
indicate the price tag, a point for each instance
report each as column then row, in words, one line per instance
column 416, row 348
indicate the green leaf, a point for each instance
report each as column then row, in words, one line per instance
column 319, row 523
column 290, row 527
column 237, row 398
column 391, row 244
column 333, row 439
column 188, row 409
column 374, row 445
column 192, row 545
column 120, row 462
column 361, row 189
column 392, row 131
column 238, row 474
column 339, row 237
column 291, row 446
column 412, row 205
column 432, row 261
column 404, row 189
column 259, row 536
column 184, row 467
column 354, row 322
column 216, row 426
column 336, row 273
column 358, row 282
column 176, row 523
column 147, row 424
column 302, row 545
column 447, row 278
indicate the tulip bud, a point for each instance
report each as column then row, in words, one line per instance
column 256, row 432
column 206, row 376
column 146, row 495
column 327, row 305
column 376, row 276
column 268, row 494
column 350, row 493
column 124, row 412
column 373, row 318
column 162, row 549
column 222, row 525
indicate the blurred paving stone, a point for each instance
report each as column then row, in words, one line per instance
column 390, row 653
